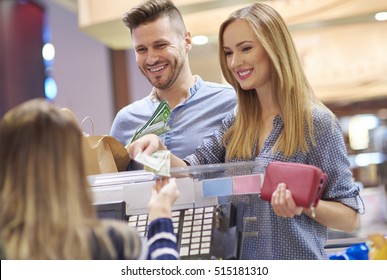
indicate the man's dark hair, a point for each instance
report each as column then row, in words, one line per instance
column 151, row 10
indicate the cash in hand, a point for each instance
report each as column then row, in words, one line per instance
column 157, row 123
column 158, row 163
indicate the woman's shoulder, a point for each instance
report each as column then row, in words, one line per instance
column 117, row 226
column 325, row 122
column 324, row 117
column 230, row 116
column 125, row 241
column 322, row 114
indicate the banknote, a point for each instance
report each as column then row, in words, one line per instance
column 157, row 123
column 158, row 163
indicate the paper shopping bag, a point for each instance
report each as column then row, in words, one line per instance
column 102, row 154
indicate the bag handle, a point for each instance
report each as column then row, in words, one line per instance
column 90, row 119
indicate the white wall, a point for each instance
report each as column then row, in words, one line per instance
column 81, row 69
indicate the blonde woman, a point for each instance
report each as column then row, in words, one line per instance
column 278, row 118
column 46, row 209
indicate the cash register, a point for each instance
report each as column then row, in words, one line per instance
column 204, row 229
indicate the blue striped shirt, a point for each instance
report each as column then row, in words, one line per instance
column 162, row 241
column 126, row 243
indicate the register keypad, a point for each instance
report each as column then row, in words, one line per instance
column 192, row 228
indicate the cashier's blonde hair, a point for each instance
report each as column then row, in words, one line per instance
column 46, row 209
column 292, row 92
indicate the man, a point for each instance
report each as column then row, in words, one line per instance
column 161, row 45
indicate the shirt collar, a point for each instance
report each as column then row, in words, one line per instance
column 153, row 96
column 196, row 86
column 191, row 92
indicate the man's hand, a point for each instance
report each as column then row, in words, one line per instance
column 147, row 144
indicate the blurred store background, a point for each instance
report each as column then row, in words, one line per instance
column 78, row 54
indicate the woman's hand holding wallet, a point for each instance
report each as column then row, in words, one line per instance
column 290, row 187
column 283, row 203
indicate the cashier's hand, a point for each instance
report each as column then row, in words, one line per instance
column 283, row 203
column 147, row 144
column 164, row 195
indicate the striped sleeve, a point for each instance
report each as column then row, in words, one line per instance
column 162, row 241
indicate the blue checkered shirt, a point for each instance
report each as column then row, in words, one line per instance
column 266, row 235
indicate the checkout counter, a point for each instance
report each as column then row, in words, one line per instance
column 200, row 233
column 199, row 221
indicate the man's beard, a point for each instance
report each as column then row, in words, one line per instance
column 171, row 78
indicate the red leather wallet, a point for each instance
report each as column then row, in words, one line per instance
column 306, row 182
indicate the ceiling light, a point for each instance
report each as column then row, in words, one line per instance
column 381, row 16
column 199, row 40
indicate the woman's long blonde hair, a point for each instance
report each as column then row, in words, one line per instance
column 46, row 209
column 292, row 92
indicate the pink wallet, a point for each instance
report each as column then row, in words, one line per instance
column 306, row 182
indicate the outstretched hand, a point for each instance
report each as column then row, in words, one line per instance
column 164, row 195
